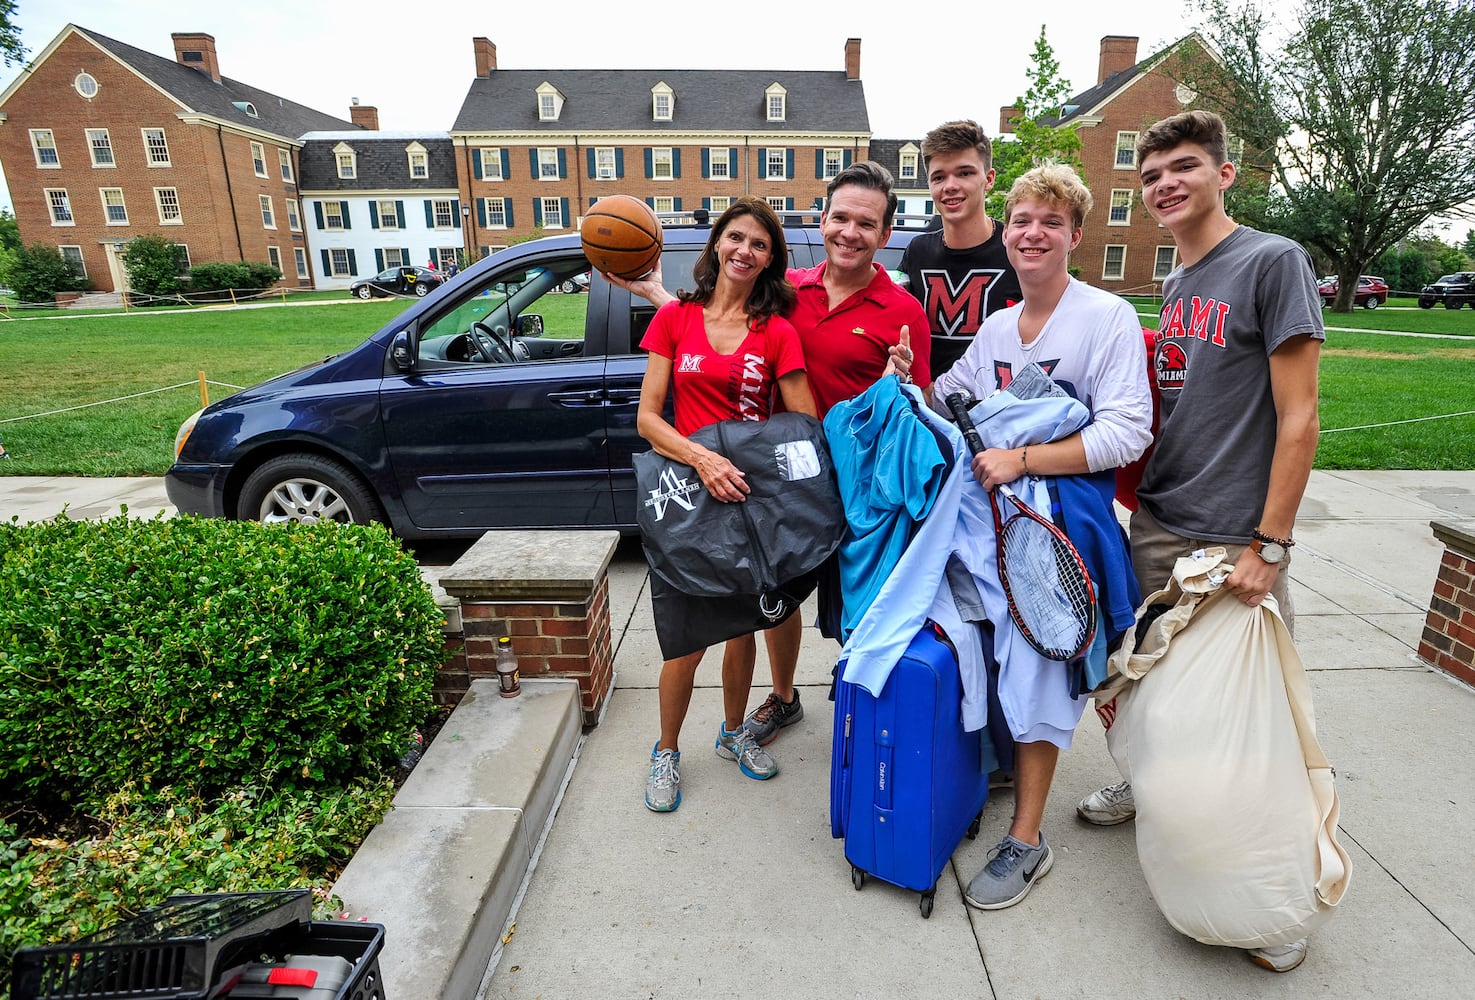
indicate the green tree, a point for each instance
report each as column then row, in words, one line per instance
column 39, row 272
column 1037, row 137
column 1361, row 117
column 1469, row 246
column 11, row 50
column 9, row 230
column 153, row 265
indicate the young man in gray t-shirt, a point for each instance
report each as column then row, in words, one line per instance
column 1237, row 350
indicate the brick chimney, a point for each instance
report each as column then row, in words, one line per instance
column 486, row 56
column 1118, row 52
column 852, row 58
column 1006, row 113
column 196, row 50
column 364, row 115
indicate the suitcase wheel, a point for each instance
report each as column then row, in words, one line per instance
column 927, row 900
column 857, row 878
column 975, row 825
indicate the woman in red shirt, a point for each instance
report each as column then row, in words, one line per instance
column 722, row 350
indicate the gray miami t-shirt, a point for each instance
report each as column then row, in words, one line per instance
column 1221, row 320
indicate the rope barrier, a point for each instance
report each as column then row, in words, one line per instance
column 119, row 399
column 1391, row 423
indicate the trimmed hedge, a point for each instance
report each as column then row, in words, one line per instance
column 206, row 654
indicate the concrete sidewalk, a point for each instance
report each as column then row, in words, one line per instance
column 742, row 889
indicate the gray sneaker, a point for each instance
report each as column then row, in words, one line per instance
column 663, row 786
column 740, row 746
column 1012, row 871
column 1281, row 957
column 1108, row 806
column 767, row 719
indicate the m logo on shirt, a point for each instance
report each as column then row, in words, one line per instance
column 957, row 310
column 691, row 362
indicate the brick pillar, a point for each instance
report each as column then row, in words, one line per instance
column 1449, row 629
column 549, row 592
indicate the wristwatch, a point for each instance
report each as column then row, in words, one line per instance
column 1269, row 548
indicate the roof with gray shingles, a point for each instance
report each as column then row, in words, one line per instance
column 197, row 92
column 1086, row 100
column 381, row 162
column 887, row 152
column 619, row 100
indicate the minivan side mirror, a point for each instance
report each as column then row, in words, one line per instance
column 530, row 325
column 401, row 353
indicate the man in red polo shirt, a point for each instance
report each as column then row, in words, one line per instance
column 849, row 315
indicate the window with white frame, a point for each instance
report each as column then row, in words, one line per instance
column 60, row 206
column 332, row 215
column 719, row 163
column 73, row 257
column 181, row 254
column 338, row 264
column 834, row 162
column 552, row 213
column 114, row 209
column 660, row 165
column 777, row 203
column 604, row 163
column 388, row 215
column 907, row 167
column 547, row 164
column 1164, row 262
column 268, row 217
column 100, row 145
column 258, row 159
column 1120, row 213
column 662, row 102
column 299, row 254
column 777, row 102
column 294, row 220
column 547, row 107
column 496, row 209
column 274, row 257
column 394, row 257
column 43, row 144
column 444, row 213
column 776, row 168
column 167, row 200
column 347, row 162
column 491, row 164
column 444, row 258
column 419, row 165
column 720, row 204
column 156, row 146
column 284, row 160
column 1114, row 268
column 85, row 84
column 664, row 203
column 1126, row 151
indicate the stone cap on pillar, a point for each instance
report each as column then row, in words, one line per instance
column 509, row 566
column 1460, row 537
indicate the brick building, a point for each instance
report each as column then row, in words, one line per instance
column 535, row 147
column 102, row 142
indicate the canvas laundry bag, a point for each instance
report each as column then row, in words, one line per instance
column 1214, row 728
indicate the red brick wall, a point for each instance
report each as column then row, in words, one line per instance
column 1449, row 630
column 124, row 105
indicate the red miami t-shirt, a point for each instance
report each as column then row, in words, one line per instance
column 708, row 386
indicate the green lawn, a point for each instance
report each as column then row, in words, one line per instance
column 52, row 364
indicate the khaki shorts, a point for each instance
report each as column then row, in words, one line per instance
column 1155, row 550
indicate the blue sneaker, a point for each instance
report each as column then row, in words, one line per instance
column 663, row 786
column 740, row 746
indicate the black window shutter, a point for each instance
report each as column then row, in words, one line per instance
column 378, row 260
column 347, row 219
column 317, row 211
column 353, row 264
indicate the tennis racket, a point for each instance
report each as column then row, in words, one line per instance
column 1051, row 599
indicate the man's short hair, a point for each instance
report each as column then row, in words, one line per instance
column 1202, row 128
column 866, row 174
column 954, row 137
column 1055, row 184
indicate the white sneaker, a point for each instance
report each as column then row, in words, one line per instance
column 1281, row 957
column 1108, row 806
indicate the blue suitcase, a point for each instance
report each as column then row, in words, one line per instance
column 906, row 782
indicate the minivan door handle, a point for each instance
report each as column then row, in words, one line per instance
column 581, row 397
column 623, row 395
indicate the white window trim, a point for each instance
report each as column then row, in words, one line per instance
column 655, row 161
column 341, row 151
column 491, row 163
column 393, row 223
column 80, row 260
column 725, row 203
column 557, row 204
column 839, row 164
column 1173, row 261
column 664, row 203
column 294, row 215
column 777, row 202
column 550, row 102
column 284, row 160
column 1106, row 260
column 551, row 161
column 501, row 204
column 662, row 90
column 1130, row 145
column 178, row 220
column 299, row 257
column 148, row 155
column 51, row 210
column 328, row 226
column 333, row 270
column 776, row 91
column 905, row 160
column 92, row 149
column 36, row 149
column 1111, row 206
column 258, row 155
column 122, row 203
column 435, row 213
column 599, row 166
column 416, row 152
column 725, row 159
column 783, row 164
column 267, row 209
column 274, row 251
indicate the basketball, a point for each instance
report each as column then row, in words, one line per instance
column 622, row 236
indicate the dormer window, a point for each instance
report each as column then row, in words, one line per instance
column 550, row 102
column 245, row 106
column 778, row 101
column 662, row 102
column 907, row 161
column 347, row 161
column 419, row 161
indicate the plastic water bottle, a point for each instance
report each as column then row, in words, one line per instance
column 508, row 682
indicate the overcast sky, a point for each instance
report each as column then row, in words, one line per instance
column 414, row 62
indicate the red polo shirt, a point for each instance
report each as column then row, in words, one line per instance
column 845, row 347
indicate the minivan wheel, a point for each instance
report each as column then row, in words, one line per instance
column 307, row 489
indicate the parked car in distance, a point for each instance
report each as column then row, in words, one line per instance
column 498, row 402
column 409, row 280
column 1454, row 290
column 578, row 283
column 1372, row 291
